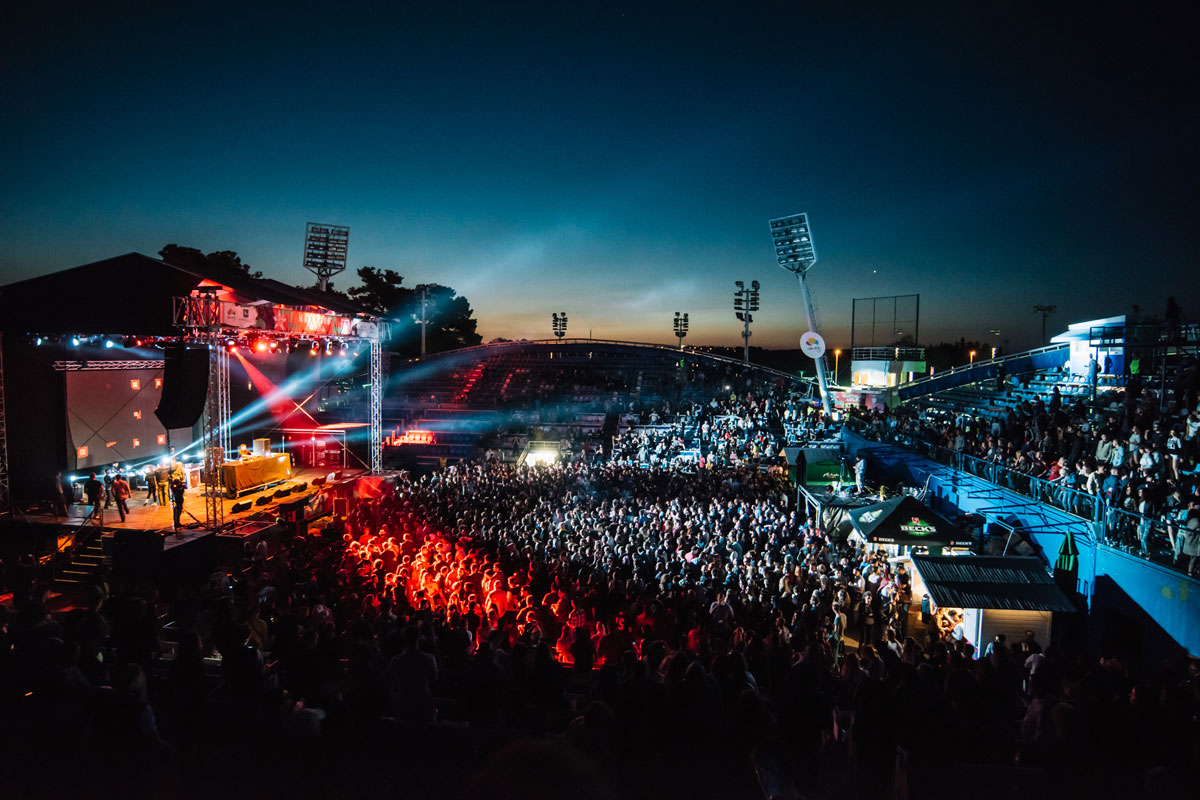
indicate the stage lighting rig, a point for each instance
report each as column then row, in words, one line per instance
column 315, row 347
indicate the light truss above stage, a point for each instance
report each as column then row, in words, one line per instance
column 75, row 366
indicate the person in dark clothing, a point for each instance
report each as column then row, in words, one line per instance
column 93, row 489
column 177, row 489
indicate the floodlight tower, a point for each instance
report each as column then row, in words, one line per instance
column 325, row 249
column 559, row 324
column 681, row 327
column 795, row 252
column 745, row 300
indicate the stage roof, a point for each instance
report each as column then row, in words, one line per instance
column 131, row 294
column 1010, row 583
column 906, row 520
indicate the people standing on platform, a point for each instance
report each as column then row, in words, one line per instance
column 121, row 493
column 177, row 488
column 108, row 481
column 162, row 479
column 58, row 497
column 860, row 472
column 93, row 489
column 177, row 471
column 151, row 488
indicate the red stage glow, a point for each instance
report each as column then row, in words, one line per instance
column 412, row 437
column 280, row 405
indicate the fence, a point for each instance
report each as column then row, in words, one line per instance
column 1151, row 538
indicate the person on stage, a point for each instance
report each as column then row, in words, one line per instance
column 177, row 489
column 108, row 480
column 94, row 490
column 59, row 497
column 162, row 480
column 121, row 493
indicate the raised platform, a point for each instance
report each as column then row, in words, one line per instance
column 147, row 516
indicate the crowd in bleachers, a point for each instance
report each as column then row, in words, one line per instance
column 724, row 429
column 1123, row 459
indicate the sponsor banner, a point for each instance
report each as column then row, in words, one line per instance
column 812, row 345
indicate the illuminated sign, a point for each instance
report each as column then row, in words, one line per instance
column 869, row 516
column 918, row 527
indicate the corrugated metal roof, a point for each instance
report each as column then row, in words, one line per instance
column 1002, row 582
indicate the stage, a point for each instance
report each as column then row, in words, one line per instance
column 147, row 516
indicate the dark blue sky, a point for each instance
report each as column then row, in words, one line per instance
column 619, row 161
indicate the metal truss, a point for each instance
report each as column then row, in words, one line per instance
column 90, row 366
column 223, row 433
column 376, row 406
column 5, row 495
column 214, row 456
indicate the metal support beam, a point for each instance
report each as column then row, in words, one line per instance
column 5, row 493
column 810, row 318
column 223, row 433
column 376, row 406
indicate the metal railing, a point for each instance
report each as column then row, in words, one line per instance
column 893, row 353
column 1150, row 538
column 981, row 364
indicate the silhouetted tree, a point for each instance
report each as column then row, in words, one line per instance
column 193, row 259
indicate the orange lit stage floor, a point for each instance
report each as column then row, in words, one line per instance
column 147, row 516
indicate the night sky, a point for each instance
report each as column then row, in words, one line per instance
column 619, row 161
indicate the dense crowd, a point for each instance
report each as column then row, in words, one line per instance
column 726, row 429
column 1139, row 464
column 641, row 612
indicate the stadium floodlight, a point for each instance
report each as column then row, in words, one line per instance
column 681, row 327
column 794, row 251
column 1045, row 311
column 745, row 300
column 325, row 248
column 558, row 323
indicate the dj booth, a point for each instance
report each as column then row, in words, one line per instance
column 253, row 473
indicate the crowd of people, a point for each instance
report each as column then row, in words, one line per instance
column 1133, row 466
column 724, row 429
column 640, row 611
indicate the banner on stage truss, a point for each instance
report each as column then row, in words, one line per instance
column 279, row 319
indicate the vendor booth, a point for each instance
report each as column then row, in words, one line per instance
column 904, row 521
column 989, row 595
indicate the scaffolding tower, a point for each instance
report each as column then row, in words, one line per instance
column 5, row 494
column 376, row 406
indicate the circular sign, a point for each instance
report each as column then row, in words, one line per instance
column 812, row 345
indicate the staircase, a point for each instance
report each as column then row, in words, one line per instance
column 85, row 566
column 471, row 378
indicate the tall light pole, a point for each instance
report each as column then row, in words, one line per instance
column 794, row 252
column 996, row 337
column 681, row 327
column 1045, row 311
column 424, row 319
column 972, row 356
column 745, row 300
column 837, row 356
column 558, row 323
